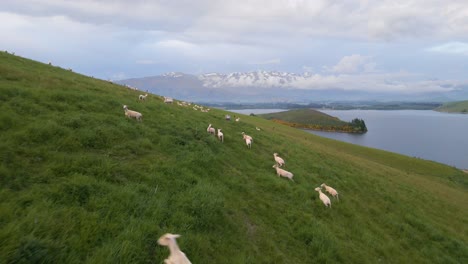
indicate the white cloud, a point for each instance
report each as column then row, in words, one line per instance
column 243, row 35
column 353, row 64
column 350, row 64
column 376, row 82
column 260, row 19
column 451, row 48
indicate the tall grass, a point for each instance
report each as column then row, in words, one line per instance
column 81, row 183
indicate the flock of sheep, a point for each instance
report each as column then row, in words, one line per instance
column 176, row 255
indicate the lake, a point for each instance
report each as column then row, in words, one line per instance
column 424, row 134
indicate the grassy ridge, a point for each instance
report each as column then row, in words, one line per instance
column 81, row 183
column 316, row 120
column 454, row 107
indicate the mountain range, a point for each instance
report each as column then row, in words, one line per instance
column 265, row 86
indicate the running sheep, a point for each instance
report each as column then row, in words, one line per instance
column 246, row 136
column 326, row 201
column 211, row 130
column 176, row 256
column 142, row 97
column 220, row 135
column 168, row 100
column 330, row 190
column 283, row 173
column 248, row 142
column 132, row 114
column 278, row 160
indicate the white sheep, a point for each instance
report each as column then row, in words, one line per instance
column 257, row 128
column 246, row 136
column 176, row 256
column 237, row 119
column 211, row 130
column 132, row 114
column 326, row 201
column 283, row 173
column 168, row 100
column 142, row 97
column 330, row 190
column 220, row 135
column 278, row 159
column 248, row 142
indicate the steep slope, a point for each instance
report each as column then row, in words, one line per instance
column 81, row 183
column 454, row 107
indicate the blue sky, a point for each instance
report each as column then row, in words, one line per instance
column 400, row 45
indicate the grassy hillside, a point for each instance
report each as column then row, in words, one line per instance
column 313, row 119
column 454, row 107
column 80, row 183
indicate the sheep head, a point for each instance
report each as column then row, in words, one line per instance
column 166, row 239
column 275, row 166
column 323, row 185
column 318, row 189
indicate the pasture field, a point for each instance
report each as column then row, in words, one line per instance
column 81, row 183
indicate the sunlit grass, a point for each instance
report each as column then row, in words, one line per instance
column 81, row 183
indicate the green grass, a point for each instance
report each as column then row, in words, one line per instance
column 80, row 183
column 454, row 107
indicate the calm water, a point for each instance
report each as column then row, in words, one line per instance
column 428, row 135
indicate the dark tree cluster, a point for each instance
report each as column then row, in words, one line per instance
column 359, row 124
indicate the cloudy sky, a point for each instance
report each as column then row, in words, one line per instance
column 401, row 45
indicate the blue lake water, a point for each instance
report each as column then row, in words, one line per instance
column 424, row 134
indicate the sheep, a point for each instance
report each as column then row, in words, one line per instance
column 227, row 117
column 246, row 136
column 142, row 97
column 220, row 135
column 237, row 119
column 211, row 130
column 132, row 114
column 168, row 100
column 326, row 201
column 248, row 142
column 176, row 256
column 283, row 173
column 278, row 159
column 330, row 190
column 257, row 128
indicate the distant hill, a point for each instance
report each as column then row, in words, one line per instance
column 81, row 183
column 313, row 119
column 454, row 107
column 268, row 87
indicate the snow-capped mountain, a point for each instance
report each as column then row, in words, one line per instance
column 271, row 86
column 263, row 79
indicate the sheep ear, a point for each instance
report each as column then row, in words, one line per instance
column 174, row 236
